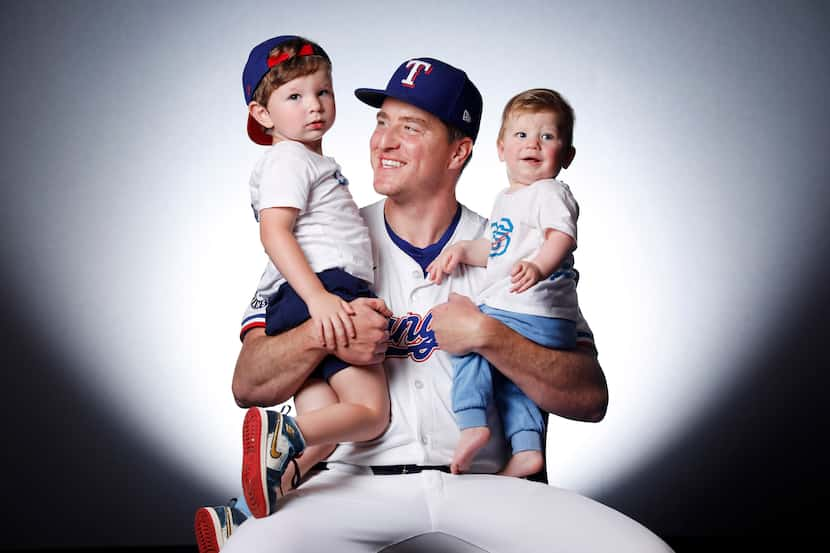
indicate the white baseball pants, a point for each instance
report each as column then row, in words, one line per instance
column 347, row 512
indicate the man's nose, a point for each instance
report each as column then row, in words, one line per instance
column 388, row 139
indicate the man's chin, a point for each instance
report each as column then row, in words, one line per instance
column 383, row 186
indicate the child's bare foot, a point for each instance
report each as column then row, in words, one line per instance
column 524, row 463
column 470, row 441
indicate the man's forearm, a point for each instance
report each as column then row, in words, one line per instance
column 270, row 369
column 568, row 383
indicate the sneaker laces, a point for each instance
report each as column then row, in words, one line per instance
column 297, row 477
column 295, row 480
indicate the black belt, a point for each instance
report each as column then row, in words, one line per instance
column 386, row 470
column 407, row 469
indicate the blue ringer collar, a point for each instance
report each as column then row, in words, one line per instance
column 424, row 256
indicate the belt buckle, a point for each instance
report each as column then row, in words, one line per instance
column 405, row 470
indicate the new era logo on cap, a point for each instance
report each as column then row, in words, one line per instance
column 436, row 87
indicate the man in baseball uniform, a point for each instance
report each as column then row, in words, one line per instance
column 375, row 494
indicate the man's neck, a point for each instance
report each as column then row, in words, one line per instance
column 423, row 223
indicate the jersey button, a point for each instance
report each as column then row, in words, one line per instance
column 417, row 274
column 419, row 384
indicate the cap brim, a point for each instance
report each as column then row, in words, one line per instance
column 371, row 96
column 257, row 133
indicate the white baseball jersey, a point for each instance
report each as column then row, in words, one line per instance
column 517, row 225
column 423, row 428
column 328, row 228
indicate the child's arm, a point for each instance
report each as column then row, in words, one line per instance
column 330, row 313
column 525, row 274
column 469, row 252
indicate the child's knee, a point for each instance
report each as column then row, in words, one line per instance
column 380, row 419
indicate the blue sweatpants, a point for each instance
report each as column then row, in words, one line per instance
column 476, row 383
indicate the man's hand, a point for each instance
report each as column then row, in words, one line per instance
column 371, row 322
column 524, row 275
column 458, row 325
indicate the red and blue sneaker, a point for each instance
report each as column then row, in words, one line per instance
column 214, row 525
column 270, row 440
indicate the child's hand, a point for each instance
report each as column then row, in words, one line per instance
column 445, row 263
column 332, row 320
column 524, row 275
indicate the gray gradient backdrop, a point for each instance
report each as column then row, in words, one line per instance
column 129, row 250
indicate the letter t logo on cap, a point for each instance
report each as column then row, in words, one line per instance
column 415, row 68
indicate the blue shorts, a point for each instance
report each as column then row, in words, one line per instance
column 286, row 309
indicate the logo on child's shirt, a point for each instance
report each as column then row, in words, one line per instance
column 341, row 179
column 259, row 302
column 501, row 236
column 412, row 337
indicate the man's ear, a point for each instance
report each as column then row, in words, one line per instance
column 463, row 150
column 260, row 115
column 569, row 157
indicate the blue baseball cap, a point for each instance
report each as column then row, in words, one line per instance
column 436, row 87
column 260, row 63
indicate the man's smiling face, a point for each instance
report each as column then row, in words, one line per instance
column 410, row 151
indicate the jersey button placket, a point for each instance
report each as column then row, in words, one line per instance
column 416, row 282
